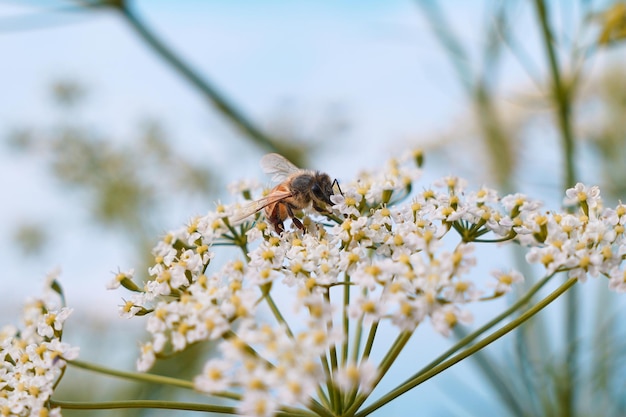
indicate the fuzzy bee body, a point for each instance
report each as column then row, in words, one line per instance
column 298, row 189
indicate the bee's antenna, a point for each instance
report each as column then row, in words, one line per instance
column 335, row 182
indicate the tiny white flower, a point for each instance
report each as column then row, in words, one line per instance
column 215, row 377
column 147, row 357
column 580, row 194
column 257, row 404
column 445, row 318
column 617, row 280
column 52, row 322
column 504, row 280
column 362, row 376
column 119, row 277
column 347, row 203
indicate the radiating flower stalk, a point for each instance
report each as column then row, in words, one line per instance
column 295, row 317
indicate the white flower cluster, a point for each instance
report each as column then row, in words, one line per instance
column 383, row 260
column 588, row 242
column 33, row 359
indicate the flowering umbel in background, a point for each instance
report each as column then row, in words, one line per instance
column 33, row 357
column 296, row 315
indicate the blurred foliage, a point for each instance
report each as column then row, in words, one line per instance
column 613, row 24
column 605, row 99
column 31, row 238
column 126, row 185
column 479, row 84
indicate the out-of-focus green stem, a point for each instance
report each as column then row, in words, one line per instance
column 278, row 315
column 477, row 89
column 561, row 96
column 562, row 99
column 137, row 376
column 346, row 320
column 168, row 405
column 226, row 108
column 384, row 366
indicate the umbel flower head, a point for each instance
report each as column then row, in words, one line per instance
column 296, row 314
column 34, row 356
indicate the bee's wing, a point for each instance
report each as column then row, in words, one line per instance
column 251, row 208
column 278, row 166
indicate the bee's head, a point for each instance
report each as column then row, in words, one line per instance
column 323, row 187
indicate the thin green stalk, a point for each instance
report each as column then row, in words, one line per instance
column 384, row 366
column 168, row 405
column 323, row 398
column 143, row 377
column 562, row 96
column 338, row 402
column 158, row 379
column 356, row 344
column 334, row 358
column 299, row 412
column 136, row 376
column 336, row 398
column 278, row 314
column 226, row 108
column 318, row 410
column 449, row 41
column 370, row 341
column 332, row 393
column 532, row 342
column 469, row 351
column 346, row 320
column 499, row 379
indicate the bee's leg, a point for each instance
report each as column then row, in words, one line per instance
column 275, row 220
column 294, row 219
column 279, row 227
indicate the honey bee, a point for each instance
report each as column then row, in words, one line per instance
column 298, row 189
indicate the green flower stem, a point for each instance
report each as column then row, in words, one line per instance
column 334, row 358
column 370, row 340
column 226, row 108
column 346, row 319
column 329, row 379
column 337, row 393
column 158, row 379
column 336, row 399
column 562, row 98
column 358, row 334
column 323, row 398
column 277, row 314
column 469, row 351
column 142, row 377
column 384, row 366
column 316, row 412
column 168, row 405
column 58, row 381
column 137, row 376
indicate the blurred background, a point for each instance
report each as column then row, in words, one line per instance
column 121, row 120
